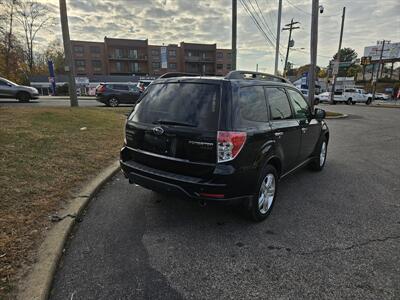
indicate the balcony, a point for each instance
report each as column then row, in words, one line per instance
column 199, row 59
column 127, row 57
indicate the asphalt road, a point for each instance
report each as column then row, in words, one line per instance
column 331, row 235
column 47, row 101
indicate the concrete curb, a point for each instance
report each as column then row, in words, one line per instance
column 38, row 282
column 343, row 116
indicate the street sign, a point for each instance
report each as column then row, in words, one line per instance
column 335, row 67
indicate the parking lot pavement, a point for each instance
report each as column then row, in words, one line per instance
column 331, row 235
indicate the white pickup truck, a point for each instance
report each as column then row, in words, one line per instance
column 352, row 96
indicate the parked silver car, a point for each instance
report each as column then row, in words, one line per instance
column 9, row 89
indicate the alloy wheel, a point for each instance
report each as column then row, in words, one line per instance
column 267, row 193
column 322, row 155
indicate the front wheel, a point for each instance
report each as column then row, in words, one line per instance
column 348, row 102
column 113, row 102
column 318, row 163
column 368, row 101
column 261, row 203
column 24, row 97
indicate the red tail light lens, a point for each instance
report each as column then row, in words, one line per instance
column 101, row 89
column 229, row 144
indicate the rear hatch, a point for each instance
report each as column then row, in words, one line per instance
column 174, row 127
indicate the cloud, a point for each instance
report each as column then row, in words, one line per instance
column 205, row 21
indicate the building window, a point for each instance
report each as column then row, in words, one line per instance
column 220, row 55
column 228, row 66
column 80, row 65
column 94, row 49
column 155, row 65
column 172, row 66
column 118, row 53
column 220, row 66
column 229, row 55
column 134, row 67
column 172, row 53
column 96, row 64
column 155, row 52
column 78, row 51
column 118, row 66
column 133, row 53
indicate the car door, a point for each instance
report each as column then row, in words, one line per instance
column 122, row 92
column 6, row 90
column 310, row 127
column 134, row 93
column 285, row 129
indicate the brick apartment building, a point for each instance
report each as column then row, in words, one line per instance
column 128, row 57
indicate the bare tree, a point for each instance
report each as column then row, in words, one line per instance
column 33, row 16
column 6, row 30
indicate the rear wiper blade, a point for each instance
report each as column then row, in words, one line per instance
column 170, row 122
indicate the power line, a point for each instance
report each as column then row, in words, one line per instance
column 257, row 23
column 247, row 9
column 306, row 12
column 265, row 21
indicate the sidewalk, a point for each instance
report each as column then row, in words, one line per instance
column 66, row 97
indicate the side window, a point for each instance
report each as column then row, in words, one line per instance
column 252, row 104
column 2, row 82
column 120, row 87
column 279, row 104
column 300, row 105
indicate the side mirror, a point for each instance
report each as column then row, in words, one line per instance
column 319, row 114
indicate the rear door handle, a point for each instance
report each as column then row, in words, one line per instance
column 279, row 134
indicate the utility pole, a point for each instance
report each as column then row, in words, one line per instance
column 234, row 33
column 338, row 56
column 379, row 66
column 289, row 27
column 256, row 67
column 278, row 37
column 69, row 67
column 313, row 52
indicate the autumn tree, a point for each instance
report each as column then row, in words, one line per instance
column 33, row 17
column 7, row 22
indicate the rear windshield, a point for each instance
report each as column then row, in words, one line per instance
column 192, row 104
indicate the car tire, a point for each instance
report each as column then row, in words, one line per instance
column 23, row 97
column 368, row 101
column 353, row 103
column 316, row 101
column 261, row 203
column 113, row 102
column 318, row 163
column 334, row 102
column 348, row 102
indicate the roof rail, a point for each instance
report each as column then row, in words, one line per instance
column 178, row 74
column 255, row 75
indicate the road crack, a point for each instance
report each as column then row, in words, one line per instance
column 357, row 245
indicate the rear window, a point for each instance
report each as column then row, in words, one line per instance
column 194, row 104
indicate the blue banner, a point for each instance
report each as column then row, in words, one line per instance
column 52, row 78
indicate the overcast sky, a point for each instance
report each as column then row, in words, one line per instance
column 209, row 21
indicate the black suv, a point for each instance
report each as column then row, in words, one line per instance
column 113, row 94
column 220, row 139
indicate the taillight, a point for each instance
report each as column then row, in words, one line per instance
column 101, row 89
column 229, row 144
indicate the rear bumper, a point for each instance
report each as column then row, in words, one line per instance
column 184, row 186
